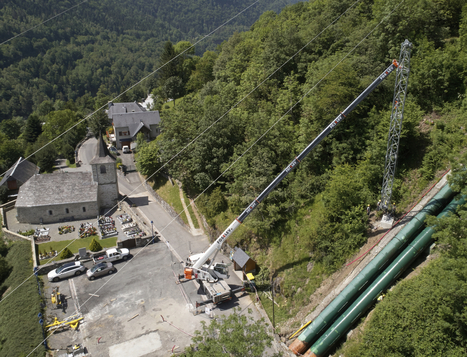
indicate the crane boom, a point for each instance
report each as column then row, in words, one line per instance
column 215, row 247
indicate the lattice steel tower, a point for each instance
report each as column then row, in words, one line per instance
column 400, row 92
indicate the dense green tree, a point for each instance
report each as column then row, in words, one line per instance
column 11, row 128
column 148, row 159
column 45, row 153
column 3, row 247
column 5, row 269
column 3, row 194
column 98, row 123
column 173, row 88
column 10, row 152
column 168, row 63
column 140, row 141
column 203, row 72
column 32, row 129
column 236, row 335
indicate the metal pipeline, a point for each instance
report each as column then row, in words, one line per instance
column 382, row 282
column 367, row 275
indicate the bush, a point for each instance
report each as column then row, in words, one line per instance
column 5, row 269
column 95, row 246
column 3, row 248
column 66, row 253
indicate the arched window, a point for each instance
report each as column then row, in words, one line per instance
column 103, row 169
column 67, row 210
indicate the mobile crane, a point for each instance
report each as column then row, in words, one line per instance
column 201, row 266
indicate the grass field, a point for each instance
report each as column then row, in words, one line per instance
column 20, row 331
column 70, row 165
column 171, row 195
column 74, row 247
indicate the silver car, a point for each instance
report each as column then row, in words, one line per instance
column 100, row 269
column 66, row 270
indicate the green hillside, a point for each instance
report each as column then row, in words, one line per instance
column 106, row 45
column 315, row 220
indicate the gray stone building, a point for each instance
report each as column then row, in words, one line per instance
column 63, row 196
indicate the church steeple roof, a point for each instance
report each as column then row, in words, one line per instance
column 102, row 155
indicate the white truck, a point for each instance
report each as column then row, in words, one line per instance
column 111, row 255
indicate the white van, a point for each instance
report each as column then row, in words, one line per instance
column 125, row 149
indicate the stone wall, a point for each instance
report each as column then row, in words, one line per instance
column 57, row 213
column 108, row 195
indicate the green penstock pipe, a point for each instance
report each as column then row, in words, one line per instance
column 375, row 267
column 381, row 283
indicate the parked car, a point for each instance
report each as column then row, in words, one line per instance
column 100, row 270
column 113, row 150
column 66, row 270
column 126, row 149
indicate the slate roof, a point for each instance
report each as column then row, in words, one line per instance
column 122, row 108
column 240, row 257
column 21, row 171
column 135, row 121
column 102, row 155
column 57, row 188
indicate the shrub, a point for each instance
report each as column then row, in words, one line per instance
column 95, row 246
column 66, row 253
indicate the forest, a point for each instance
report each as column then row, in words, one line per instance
column 248, row 127
column 89, row 55
column 315, row 220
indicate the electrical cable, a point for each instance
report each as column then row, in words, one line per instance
column 197, row 137
column 139, row 82
column 43, row 22
column 247, row 150
column 90, row 115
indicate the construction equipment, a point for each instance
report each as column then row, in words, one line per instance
column 397, row 114
column 56, row 297
column 71, row 321
column 201, row 266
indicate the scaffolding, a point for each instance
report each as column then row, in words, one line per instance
column 397, row 113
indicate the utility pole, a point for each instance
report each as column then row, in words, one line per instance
column 400, row 93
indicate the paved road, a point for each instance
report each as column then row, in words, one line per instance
column 146, row 286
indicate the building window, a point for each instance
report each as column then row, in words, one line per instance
column 102, row 169
column 67, row 210
column 50, row 212
column 84, row 209
column 120, row 133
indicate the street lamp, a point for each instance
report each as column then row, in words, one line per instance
column 152, row 232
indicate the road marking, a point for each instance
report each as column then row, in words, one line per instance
column 74, row 295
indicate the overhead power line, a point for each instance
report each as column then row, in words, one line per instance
column 43, row 22
column 248, row 149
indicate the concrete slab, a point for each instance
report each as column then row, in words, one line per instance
column 137, row 347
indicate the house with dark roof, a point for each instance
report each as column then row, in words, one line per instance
column 129, row 119
column 19, row 173
column 62, row 196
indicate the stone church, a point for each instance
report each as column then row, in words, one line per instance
column 65, row 196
